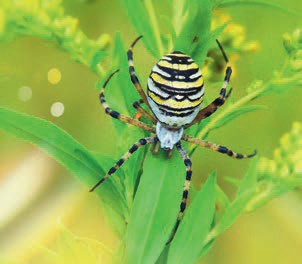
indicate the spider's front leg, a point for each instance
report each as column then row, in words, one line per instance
column 223, row 96
column 119, row 116
column 133, row 76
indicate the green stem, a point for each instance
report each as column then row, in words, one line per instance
column 155, row 26
column 249, row 97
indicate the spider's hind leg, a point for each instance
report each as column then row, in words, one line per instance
column 185, row 193
column 218, row 148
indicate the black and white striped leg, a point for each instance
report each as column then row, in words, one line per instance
column 133, row 76
column 119, row 116
column 228, row 71
column 218, row 148
column 223, row 96
column 185, row 193
column 136, row 145
column 142, row 111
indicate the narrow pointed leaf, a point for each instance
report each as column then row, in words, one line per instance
column 232, row 213
column 140, row 20
column 195, row 30
column 206, row 249
column 54, row 141
column 64, row 148
column 155, row 207
column 250, row 178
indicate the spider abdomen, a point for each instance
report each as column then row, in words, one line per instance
column 175, row 90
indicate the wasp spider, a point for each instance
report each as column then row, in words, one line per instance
column 174, row 95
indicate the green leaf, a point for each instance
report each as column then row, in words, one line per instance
column 206, row 249
column 155, row 207
column 222, row 198
column 179, row 14
column 65, row 149
column 195, row 31
column 232, row 213
column 97, row 58
column 250, row 178
column 140, row 19
column 73, row 249
column 195, row 225
column 53, row 140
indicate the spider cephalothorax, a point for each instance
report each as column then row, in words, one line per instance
column 174, row 95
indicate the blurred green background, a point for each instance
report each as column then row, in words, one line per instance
column 37, row 193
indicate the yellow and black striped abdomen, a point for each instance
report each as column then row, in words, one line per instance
column 175, row 90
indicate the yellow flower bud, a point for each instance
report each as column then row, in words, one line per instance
column 285, row 142
column 104, row 41
column 296, row 65
column 297, row 129
column 283, row 171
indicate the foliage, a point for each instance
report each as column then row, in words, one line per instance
column 46, row 20
column 151, row 208
column 70, row 248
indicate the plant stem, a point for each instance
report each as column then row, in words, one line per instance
column 249, row 97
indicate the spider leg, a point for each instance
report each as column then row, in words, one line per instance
column 219, row 101
column 118, row 164
column 119, row 116
column 185, row 193
column 218, row 148
column 137, row 106
column 133, row 76
column 156, row 147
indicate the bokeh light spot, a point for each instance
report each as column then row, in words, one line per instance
column 24, row 93
column 57, row 109
column 54, row 76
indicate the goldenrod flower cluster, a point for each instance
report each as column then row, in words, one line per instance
column 46, row 20
column 293, row 46
column 287, row 160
